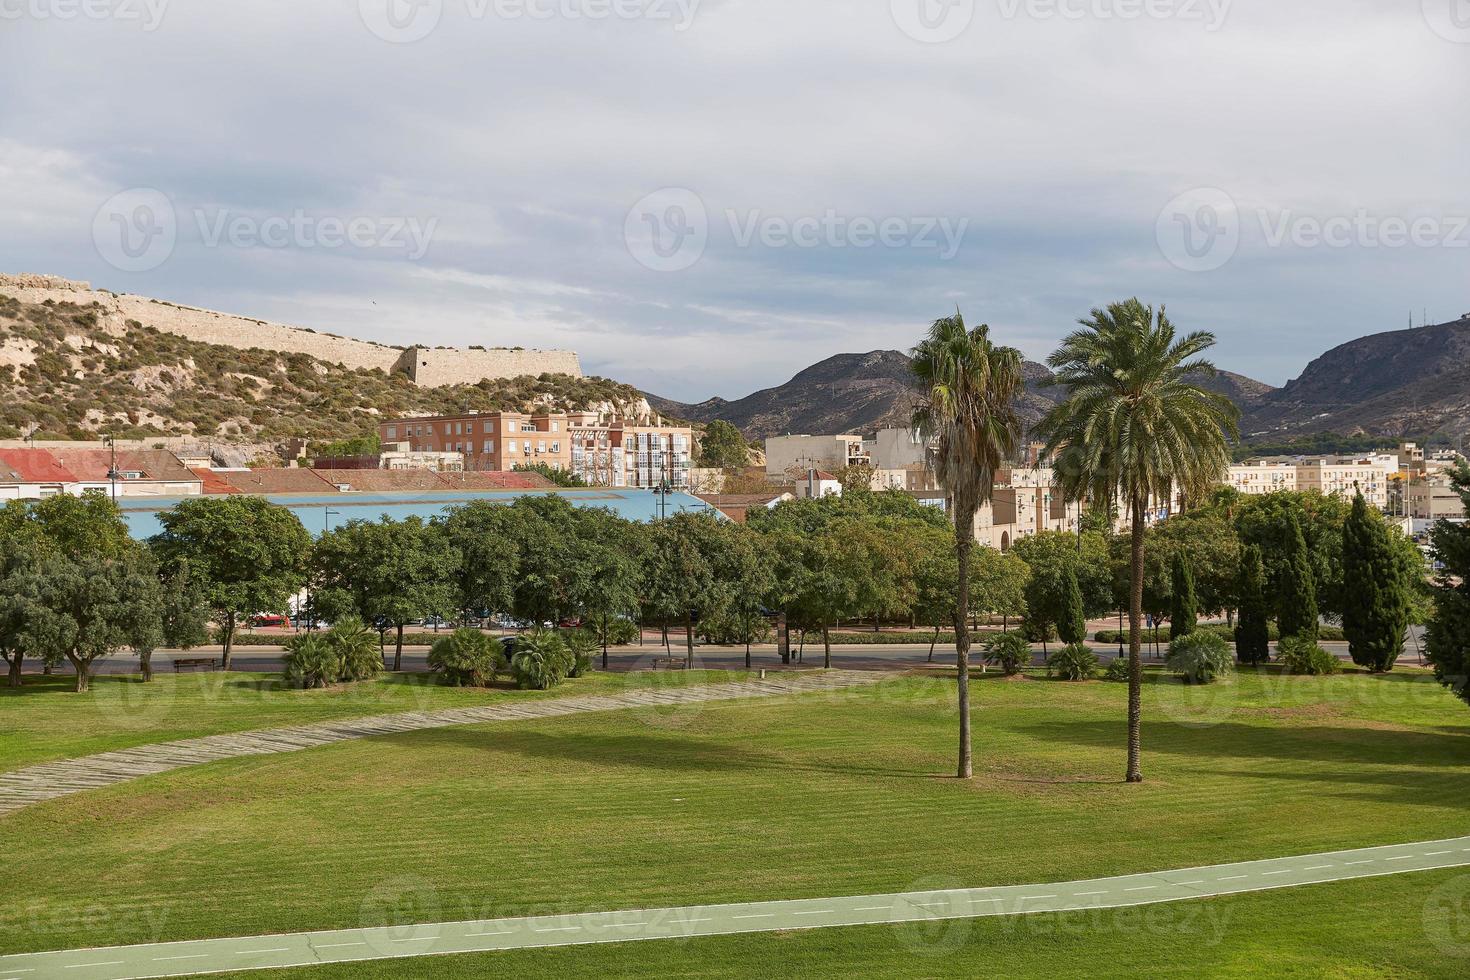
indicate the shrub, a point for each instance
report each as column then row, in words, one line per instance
column 1302, row 655
column 542, row 661
column 311, row 661
column 1010, row 652
column 1117, row 669
column 356, row 646
column 1073, row 662
column 1199, row 658
column 581, row 645
column 621, row 632
column 467, row 658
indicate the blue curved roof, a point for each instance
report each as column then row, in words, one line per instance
column 319, row 511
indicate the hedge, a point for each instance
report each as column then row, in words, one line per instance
column 1226, row 633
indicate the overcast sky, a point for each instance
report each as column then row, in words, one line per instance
column 704, row 197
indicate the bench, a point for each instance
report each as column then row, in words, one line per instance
column 196, row 663
column 669, row 663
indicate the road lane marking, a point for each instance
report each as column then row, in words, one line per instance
column 415, row 939
column 83, row 966
column 340, row 945
column 557, row 929
column 761, row 915
column 1319, row 867
column 1197, row 881
column 1368, row 861
column 860, row 908
column 1085, row 894
column 1402, row 857
column 251, row 952
column 476, row 935
column 1283, row 871
column 1141, row 888
column 1433, row 854
column 190, row 956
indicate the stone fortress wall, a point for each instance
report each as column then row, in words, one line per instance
column 428, row 367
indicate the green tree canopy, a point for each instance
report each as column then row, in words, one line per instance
column 1447, row 640
column 245, row 554
column 723, row 447
column 1375, row 591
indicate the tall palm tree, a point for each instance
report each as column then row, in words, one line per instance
column 966, row 414
column 1137, row 425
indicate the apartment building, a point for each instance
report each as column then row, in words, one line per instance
column 602, row 451
column 1339, row 476
column 791, row 457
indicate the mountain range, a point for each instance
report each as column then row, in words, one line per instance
column 1404, row 383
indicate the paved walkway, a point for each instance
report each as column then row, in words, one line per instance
column 437, row 939
column 56, row 779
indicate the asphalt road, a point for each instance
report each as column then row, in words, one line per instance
column 876, row 656
column 378, row 942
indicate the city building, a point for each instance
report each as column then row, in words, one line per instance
column 1333, row 476
column 32, row 474
column 789, row 458
column 602, row 451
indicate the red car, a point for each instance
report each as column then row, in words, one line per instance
column 269, row 619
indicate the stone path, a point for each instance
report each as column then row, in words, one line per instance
column 52, row 780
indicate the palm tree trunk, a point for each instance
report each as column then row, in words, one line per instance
column 826, row 647
column 964, row 540
column 1135, row 651
column 398, row 650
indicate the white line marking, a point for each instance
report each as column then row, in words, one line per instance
column 757, row 915
column 860, row 908
column 1034, row 897
column 1233, row 877
column 415, row 939
column 1197, row 881
column 1433, row 854
column 1369, row 861
column 1281, row 872
column 557, row 929
column 473, row 935
column 927, row 905
column 82, row 966
column 814, row 912
column 1085, row 894
column 251, row 952
column 337, row 945
column 191, row 956
column 1319, row 867
column 1401, row 857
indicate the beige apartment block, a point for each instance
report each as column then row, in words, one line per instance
column 1333, row 476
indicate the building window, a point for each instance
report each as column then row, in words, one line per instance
column 390, row 434
column 510, row 445
column 489, row 445
column 490, row 428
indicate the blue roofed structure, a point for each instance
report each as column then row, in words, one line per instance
column 320, row 511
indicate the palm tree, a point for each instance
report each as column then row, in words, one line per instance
column 966, row 414
column 1136, row 425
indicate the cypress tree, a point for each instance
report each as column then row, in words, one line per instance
column 1071, row 621
column 1375, row 608
column 1183, row 606
column 1447, row 641
column 1252, row 629
column 1296, row 609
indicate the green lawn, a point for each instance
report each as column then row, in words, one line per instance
column 785, row 798
column 1339, row 930
column 46, row 720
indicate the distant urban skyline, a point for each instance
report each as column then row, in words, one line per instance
column 703, row 198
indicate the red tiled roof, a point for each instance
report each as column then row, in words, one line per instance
column 93, row 465
column 213, row 482
column 276, row 480
column 494, row 480
column 33, row 466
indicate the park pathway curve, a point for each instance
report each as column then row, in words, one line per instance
column 51, row 780
column 921, row 911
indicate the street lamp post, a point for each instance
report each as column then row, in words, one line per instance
column 111, row 443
